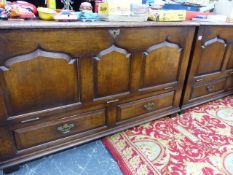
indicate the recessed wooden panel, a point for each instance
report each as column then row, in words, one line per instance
column 112, row 72
column 212, row 56
column 39, row 80
column 161, row 64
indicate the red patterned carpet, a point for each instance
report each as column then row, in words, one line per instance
column 198, row 142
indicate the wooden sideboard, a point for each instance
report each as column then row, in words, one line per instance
column 64, row 87
column 64, row 84
column 210, row 75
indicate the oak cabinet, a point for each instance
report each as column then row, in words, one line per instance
column 211, row 69
column 63, row 87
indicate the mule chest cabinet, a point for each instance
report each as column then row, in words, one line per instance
column 64, row 84
column 211, row 67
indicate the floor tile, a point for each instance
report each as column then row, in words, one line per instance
column 88, row 159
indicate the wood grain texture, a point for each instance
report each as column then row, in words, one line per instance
column 3, row 110
column 39, row 80
column 229, row 83
column 230, row 55
column 77, row 43
column 7, row 146
column 161, row 64
column 87, row 79
column 139, row 107
column 48, row 131
column 112, row 72
column 202, row 90
column 212, row 54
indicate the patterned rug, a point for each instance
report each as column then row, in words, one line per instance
column 198, row 142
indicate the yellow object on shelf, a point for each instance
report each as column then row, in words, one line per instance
column 46, row 13
column 172, row 15
column 114, row 8
column 51, row 4
column 2, row 3
column 103, row 8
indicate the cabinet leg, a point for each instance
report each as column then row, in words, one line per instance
column 11, row 169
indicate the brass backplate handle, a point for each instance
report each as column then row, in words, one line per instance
column 149, row 106
column 210, row 88
column 65, row 128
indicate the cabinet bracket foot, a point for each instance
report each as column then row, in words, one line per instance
column 11, row 169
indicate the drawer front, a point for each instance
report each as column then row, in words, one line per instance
column 143, row 106
column 229, row 85
column 201, row 90
column 48, row 131
column 208, row 78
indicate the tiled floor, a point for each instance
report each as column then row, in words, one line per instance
column 88, row 159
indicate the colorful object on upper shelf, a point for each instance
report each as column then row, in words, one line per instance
column 2, row 3
column 86, row 7
column 67, row 16
column 87, row 13
column 46, row 13
column 171, row 15
column 67, row 4
column 19, row 10
column 51, row 4
column 3, row 14
column 87, row 16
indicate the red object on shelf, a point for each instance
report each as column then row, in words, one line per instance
column 190, row 14
column 26, row 5
column 97, row 2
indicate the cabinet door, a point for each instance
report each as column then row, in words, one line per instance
column 39, row 80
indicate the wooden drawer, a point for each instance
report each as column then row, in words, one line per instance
column 146, row 105
column 209, row 88
column 48, row 131
column 208, row 78
column 229, row 85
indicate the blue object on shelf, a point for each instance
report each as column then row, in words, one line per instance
column 181, row 7
column 86, row 16
column 147, row 1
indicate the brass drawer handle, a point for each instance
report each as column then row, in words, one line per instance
column 65, row 128
column 30, row 120
column 112, row 101
column 210, row 89
column 168, row 88
column 149, row 106
column 198, row 80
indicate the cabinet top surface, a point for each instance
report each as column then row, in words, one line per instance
column 59, row 25
column 53, row 24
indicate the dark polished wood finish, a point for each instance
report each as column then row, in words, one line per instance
column 211, row 66
column 64, row 87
